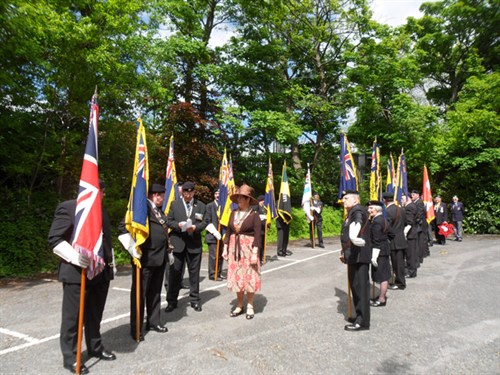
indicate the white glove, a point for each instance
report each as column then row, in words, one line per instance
column 214, row 232
column 66, row 251
column 317, row 209
column 115, row 270
column 129, row 244
column 407, row 229
column 263, row 217
column 375, row 253
column 170, row 258
column 354, row 230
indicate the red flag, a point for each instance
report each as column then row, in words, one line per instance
column 427, row 197
column 87, row 236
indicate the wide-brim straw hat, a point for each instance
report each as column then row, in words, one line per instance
column 245, row 191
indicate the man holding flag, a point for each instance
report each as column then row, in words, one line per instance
column 80, row 235
column 284, row 215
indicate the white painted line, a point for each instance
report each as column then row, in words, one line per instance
column 32, row 341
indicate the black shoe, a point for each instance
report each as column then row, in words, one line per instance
column 280, row 254
column 408, row 276
column 396, row 287
column 104, row 355
column 235, row 313
column 355, row 327
column 184, row 286
column 219, row 278
column 377, row 303
column 196, row 306
column 170, row 307
column 72, row 368
column 159, row 328
column 321, row 245
column 351, row 320
column 288, row 253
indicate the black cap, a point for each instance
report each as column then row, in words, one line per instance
column 188, row 186
column 261, row 198
column 388, row 196
column 101, row 184
column 345, row 192
column 415, row 192
column 157, row 188
column 374, row 203
column 216, row 191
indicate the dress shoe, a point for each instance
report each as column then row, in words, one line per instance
column 355, row 327
column 321, row 245
column 396, row 287
column 377, row 303
column 280, row 254
column 219, row 278
column 288, row 253
column 196, row 306
column 170, row 307
column 410, row 276
column 72, row 368
column 351, row 320
column 158, row 328
column 104, row 355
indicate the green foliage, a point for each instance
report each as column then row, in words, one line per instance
column 483, row 215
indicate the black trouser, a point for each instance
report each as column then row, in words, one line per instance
column 95, row 299
column 411, row 256
column 150, row 295
column 212, row 259
column 398, row 267
column 283, row 234
column 439, row 237
column 360, row 286
column 319, row 230
column 175, row 276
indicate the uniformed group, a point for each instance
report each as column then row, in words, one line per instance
column 175, row 242
column 395, row 245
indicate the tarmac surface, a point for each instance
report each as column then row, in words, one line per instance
column 447, row 321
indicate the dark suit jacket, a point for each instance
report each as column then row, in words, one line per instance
column 379, row 229
column 211, row 217
column 457, row 211
column 317, row 216
column 441, row 213
column 357, row 254
column 154, row 249
column 62, row 230
column 179, row 239
column 411, row 219
column 397, row 223
column 420, row 214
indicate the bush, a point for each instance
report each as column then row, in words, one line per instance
column 483, row 216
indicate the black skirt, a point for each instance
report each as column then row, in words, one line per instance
column 383, row 271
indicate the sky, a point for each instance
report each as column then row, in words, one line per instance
column 391, row 12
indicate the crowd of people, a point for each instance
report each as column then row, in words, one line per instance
column 394, row 243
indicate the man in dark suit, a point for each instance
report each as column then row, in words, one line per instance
column 441, row 214
column 317, row 209
column 411, row 231
column 420, row 219
column 186, row 218
column 96, row 290
column 212, row 238
column 396, row 217
column 152, row 260
column 262, row 211
column 457, row 217
column 357, row 254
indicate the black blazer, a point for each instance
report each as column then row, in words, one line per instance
column 211, row 217
column 352, row 253
column 411, row 219
column 379, row 229
column 396, row 216
column 457, row 211
column 181, row 240
column 441, row 213
column 62, row 230
column 154, row 249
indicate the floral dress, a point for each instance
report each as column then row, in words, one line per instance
column 241, row 237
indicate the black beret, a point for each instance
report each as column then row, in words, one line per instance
column 388, row 196
column 188, row 186
column 375, row 203
column 345, row 192
column 415, row 192
column 157, row 188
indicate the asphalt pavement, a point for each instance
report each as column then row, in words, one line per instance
column 447, row 321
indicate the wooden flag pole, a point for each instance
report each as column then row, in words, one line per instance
column 264, row 244
column 313, row 229
column 80, row 320
column 137, row 303
column 349, row 307
column 217, row 255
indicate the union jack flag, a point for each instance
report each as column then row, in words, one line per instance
column 87, row 236
column 348, row 179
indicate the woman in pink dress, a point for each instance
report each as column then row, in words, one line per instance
column 241, row 250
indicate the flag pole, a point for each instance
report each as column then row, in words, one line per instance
column 264, row 244
column 313, row 229
column 216, row 276
column 80, row 320
column 137, row 303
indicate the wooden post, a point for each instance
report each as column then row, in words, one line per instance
column 80, row 320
